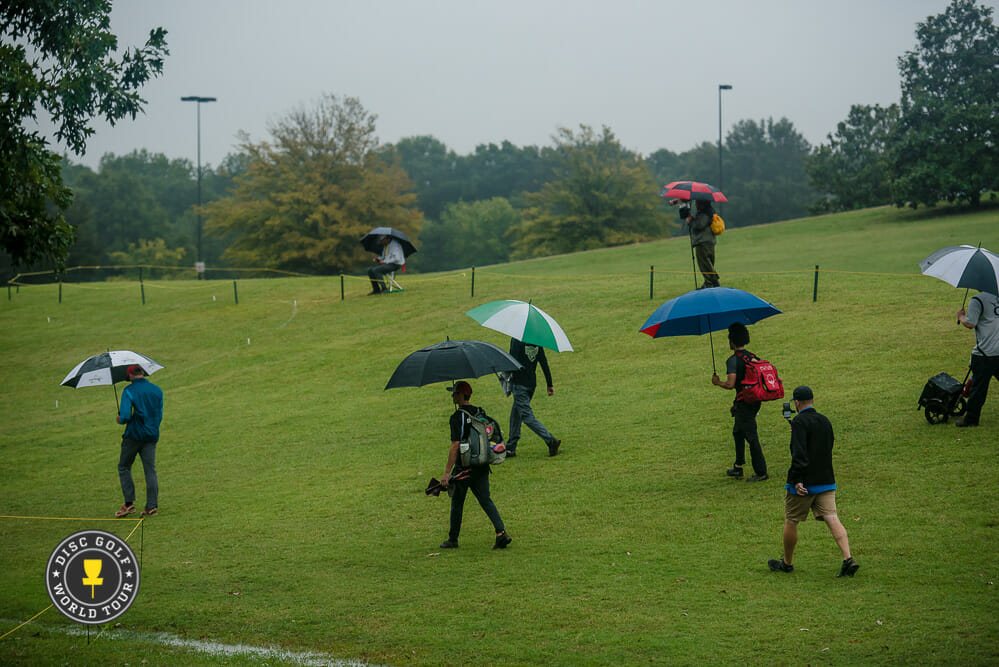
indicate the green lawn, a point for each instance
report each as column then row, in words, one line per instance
column 293, row 512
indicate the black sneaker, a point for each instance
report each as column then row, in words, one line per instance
column 501, row 541
column 758, row 478
column 849, row 568
column 735, row 471
column 553, row 447
column 510, row 452
column 779, row 565
column 449, row 544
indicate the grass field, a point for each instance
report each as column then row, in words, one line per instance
column 293, row 512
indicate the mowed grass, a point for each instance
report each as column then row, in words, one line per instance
column 293, row 512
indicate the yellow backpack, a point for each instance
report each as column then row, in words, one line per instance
column 717, row 225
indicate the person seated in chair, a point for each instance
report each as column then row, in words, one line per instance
column 392, row 259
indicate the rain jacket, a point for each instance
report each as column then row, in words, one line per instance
column 700, row 230
column 141, row 410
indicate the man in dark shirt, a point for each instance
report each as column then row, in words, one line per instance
column 744, row 414
column 478, row 476
column 523, row 384
column 811, row 484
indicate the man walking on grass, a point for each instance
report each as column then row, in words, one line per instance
column 983, row 317
column 141, row 411
column 811, row 483
column 523, row 383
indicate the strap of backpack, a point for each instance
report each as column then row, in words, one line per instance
column 469, row 415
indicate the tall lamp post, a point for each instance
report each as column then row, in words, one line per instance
column 196, row 98
column 721, row 87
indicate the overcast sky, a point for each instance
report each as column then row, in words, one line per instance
column 472, row 72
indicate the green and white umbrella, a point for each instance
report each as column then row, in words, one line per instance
column 523, row 321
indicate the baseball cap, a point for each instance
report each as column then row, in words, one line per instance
column 135, row 368
column 461, row 388
column 803, row 393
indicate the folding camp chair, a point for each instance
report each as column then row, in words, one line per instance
column 393, row 285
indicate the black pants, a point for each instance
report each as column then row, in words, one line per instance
column 744, row 431
column 478, row 482
column 377, row 272
column 983, row 369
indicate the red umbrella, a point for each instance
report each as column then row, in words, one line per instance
column 687, row 190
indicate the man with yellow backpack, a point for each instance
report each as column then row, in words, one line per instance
column 705, row 225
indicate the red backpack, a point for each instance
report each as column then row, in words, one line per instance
column 761, row 382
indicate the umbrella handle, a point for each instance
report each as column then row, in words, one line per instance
column 116, row 408
column 711, row 339
column 693, row 264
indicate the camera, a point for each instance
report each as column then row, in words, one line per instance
column 788, row 412
column 684, row 212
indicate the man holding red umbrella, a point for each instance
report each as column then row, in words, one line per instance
column 703, row 240
column 702, row 237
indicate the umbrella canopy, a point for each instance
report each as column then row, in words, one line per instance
column 964, row 266
column 523, row 321
column 372, row 240
column 108, row 368
column 688, row 190
column 451, row 360
column 706, row 310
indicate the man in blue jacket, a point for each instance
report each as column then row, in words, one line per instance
column 141, row 411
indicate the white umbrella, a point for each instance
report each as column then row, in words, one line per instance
column 107, row 368
column 964, row 266
column 523, row 321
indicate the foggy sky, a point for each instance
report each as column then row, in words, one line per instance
column 472, row 72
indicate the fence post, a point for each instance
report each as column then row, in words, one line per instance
column 341, row 287
column 142, row 287
column 652, row 274
column 473, row 282
column 60, row 290
column 235, row 294
column 815, row 289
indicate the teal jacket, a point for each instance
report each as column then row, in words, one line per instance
column 141, row 410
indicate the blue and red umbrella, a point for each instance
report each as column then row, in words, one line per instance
column 705, row 310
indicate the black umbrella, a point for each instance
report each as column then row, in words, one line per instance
column 372, row 241
column 451, row 360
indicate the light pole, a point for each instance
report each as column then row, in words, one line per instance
column 721, row 87
column 196, row 98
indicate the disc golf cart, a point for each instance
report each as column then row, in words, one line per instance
column 942, row 398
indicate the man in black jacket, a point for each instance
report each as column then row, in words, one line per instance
column 811, row 484
column 523, row 384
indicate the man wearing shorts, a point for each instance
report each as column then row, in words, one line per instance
column 811, row 484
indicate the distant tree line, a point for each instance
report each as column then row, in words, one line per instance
column 301, row 200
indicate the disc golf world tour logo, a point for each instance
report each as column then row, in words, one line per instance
column 92, row 577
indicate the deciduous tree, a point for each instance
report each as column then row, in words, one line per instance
column 852, row 170
column 468, row 234
column 310, row 194
column 947, row 139
column 601, row 195
column 58, row 57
